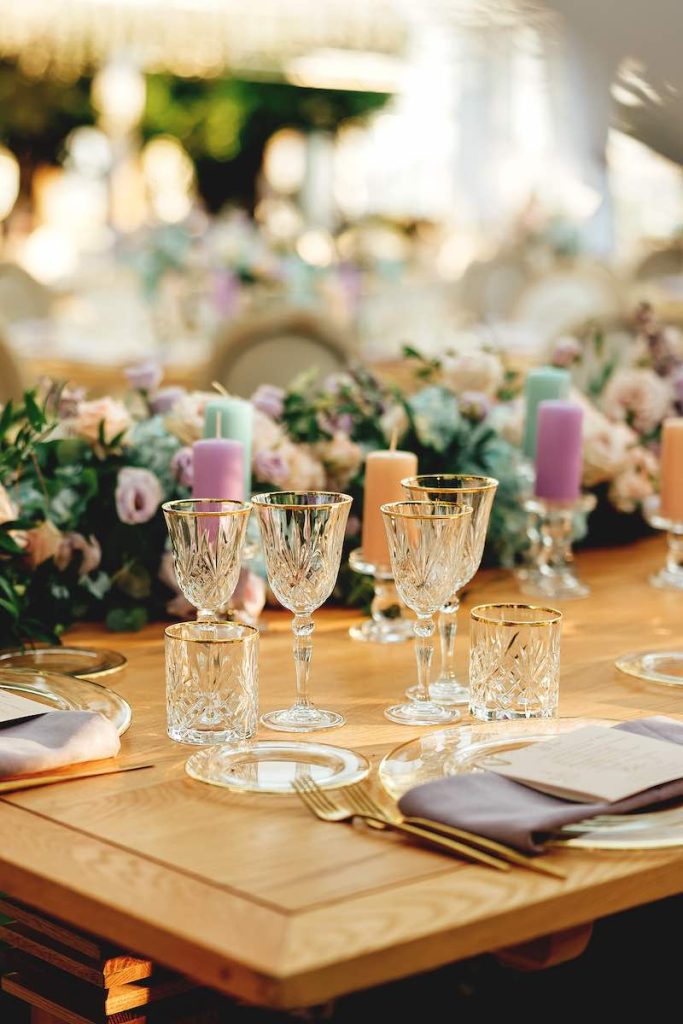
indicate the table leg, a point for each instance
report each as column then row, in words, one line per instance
column 548, row 951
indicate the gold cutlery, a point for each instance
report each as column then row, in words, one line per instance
column 33, row 782
column 322, row 804
column 363, row 800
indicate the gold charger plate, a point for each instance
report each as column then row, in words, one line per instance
column 82, row 662
column 67, row 693
column 472, row 747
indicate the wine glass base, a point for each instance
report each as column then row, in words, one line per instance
column 563, row 587
column 421, row 712
column 296, row 719
column 665, row 667
column 665, row 579
column 443, row 691
column 394, row 631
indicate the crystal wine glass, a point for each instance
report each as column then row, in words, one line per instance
column 464, row 489
column 303, row 533
column 207, row 535
column 428, row 546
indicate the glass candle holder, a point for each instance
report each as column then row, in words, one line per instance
column 478, row 493
column 207, row 536
column 387, row 623
column 514, row 661
column 551, row 573
column 211, row 682
column 670, row 576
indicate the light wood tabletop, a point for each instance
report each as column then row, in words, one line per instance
column 253, row 896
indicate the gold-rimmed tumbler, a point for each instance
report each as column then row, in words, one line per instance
column 303, row 534
column 427, row 545
column 211, row 682
column 207, row 535
column 462, row 489
column 514, row 661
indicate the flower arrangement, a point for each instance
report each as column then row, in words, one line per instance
column 82, row 535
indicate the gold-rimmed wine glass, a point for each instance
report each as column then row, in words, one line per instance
column 427, row 546
column 207, row 535
column 463, row 489
column 303, row 534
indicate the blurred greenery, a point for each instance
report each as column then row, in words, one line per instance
column 223, row 123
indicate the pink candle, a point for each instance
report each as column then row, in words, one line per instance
column 559, row 450
column 218, row 465
column 383, row 474
column 671, row 470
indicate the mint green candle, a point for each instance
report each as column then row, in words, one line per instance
column 232, row 418
column 547, row 382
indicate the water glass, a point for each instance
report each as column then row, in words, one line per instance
column 514, row 661
column 211, row 682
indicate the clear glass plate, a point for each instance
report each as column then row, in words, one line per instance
column 272, row 767
column 67, row 661
column 68, row 693
column 472, row 747
column 664, row 667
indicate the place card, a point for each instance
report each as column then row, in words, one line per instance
column 14, row 708
column 592, row 764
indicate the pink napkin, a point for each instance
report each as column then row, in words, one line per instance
column 55, row 740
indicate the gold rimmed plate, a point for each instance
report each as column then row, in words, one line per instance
column 68, row 693
column 469, row 748
column 272, row 767
column 662, row 667
column 82, row 662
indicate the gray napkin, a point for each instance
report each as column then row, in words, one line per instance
column 55, row 740
column 493, row 806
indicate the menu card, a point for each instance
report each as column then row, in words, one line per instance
column 592, row 764
column 14, row 708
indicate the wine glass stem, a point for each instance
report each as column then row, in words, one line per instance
column 448, row 627
column 424, row 652
column 302, row 627
column 208, row 615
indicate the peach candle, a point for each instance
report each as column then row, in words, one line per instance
column 671, row 483
column 384, row 471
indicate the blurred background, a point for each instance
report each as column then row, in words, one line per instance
column 243, row 191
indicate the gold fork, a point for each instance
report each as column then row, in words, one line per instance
column 323, row 806
column 362, row 800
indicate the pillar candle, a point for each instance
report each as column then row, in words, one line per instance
column 542, row 384
column 218, row 468
column 671, row 470
column 232, row 418
column 384, row 471
column 559, row 451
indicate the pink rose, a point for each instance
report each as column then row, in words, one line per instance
column 341, row 457
column 185, row 420
column 138, row 495
column 182, row 466
column 269, row 400
column 178, row 607
column 249, row 596
column 164, row 400
column 637, row 482
column 566, row 351
column 638, row 396
column 145, row 376
column 271, row 468
column 106, row 414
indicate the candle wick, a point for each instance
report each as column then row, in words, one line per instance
column 219, row 388
column 219, row 424
column 394, row 438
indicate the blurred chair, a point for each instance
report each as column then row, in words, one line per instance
column 557, row 301
column 275, row 348
column 21, row 296
column 12, row 384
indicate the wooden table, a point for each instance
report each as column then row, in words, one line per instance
column 254, row 897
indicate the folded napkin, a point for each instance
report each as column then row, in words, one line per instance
column 55, row 740
column 493, row 806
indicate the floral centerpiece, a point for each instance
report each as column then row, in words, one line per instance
column 82, row 535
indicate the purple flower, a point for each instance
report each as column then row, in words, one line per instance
column 165, row 399
column 270, row 400
column 146, row 376
column 182, row 466
column 474, row 405
column 138, row 495
column 271, row 467
column 566, row 351
column 335, row 423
